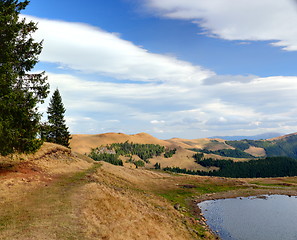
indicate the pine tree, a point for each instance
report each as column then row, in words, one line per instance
column 20, row 92
column 58, row 131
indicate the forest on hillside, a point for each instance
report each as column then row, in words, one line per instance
column 234, row 153
column 111, row 153
column 268, row 167
column 283, row 147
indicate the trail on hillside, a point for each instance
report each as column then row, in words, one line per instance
column 45, row 212
column 100, row 202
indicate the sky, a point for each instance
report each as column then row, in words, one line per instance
column 171, row 68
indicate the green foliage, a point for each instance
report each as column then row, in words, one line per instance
column 56, row 130
column 268, row 167
column 283, row 147
column 20, row 92
column 169, row 153
column 235, row 153
column 198, row 157
column 157, row 166
column 138, row 163
column 260, row 143
column 143, row 151
column 106, row 157
column 113, row 151
column 241, row 145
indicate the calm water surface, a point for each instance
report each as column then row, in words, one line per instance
column 273, row 217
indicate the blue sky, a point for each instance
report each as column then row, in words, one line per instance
column 189, row 69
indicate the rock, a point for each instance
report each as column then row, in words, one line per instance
column 177, row 206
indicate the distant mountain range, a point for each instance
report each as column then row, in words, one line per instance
column 254, row 137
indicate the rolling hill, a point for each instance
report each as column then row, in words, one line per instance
column 83, row 143
column 279, row 146
column 58, row 194
column 238, row 150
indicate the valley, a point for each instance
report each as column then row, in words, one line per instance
column 58, row 193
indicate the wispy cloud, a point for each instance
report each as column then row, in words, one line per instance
column 89, row 49
column 245, row 20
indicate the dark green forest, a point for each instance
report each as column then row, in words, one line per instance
column 283, row 147
column 169, row 153
column 143, row 151
column 111, row 153
column 268, row 167
column 106, row 157
column 235, row 153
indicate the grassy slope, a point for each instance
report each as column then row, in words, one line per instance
column 58, row 195
column 281, row 146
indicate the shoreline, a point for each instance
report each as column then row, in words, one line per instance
column 196, row 211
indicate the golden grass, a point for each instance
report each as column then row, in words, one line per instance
column 56, row 194
column 114, row 213
column 83, row 143
column 256, row 151
column 183, row 158
column 66, row 199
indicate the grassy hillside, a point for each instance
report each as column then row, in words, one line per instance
column 83, row 143
column 281, row 146
column 243, row 150
column 182, row 157
column 59, row 194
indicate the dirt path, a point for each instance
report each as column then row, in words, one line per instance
column 45, row 212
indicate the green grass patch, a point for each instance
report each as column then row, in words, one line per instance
column 178, row 196
column 212, row 188
column 183, row 198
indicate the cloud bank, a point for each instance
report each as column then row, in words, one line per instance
column 260, row 105
column 110, row 84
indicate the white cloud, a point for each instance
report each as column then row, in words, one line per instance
column 157, row 121
column 89, row 49
column 259, row 105
column 182, row 98
column 245, row 20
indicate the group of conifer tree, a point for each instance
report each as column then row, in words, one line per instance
column 21, row 91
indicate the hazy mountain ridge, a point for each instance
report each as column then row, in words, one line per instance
column 254, row 137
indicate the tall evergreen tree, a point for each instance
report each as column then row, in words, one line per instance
column 57, row 129
column 20, row 92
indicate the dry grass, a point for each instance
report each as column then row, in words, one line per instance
column 56, row 194
column 83, row 143
column 115, row 213
column 36, row 195
column 189, row 143
column 65, row 198
column 256, row 151
column 183, row 158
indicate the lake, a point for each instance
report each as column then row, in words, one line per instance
column 268, row 217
